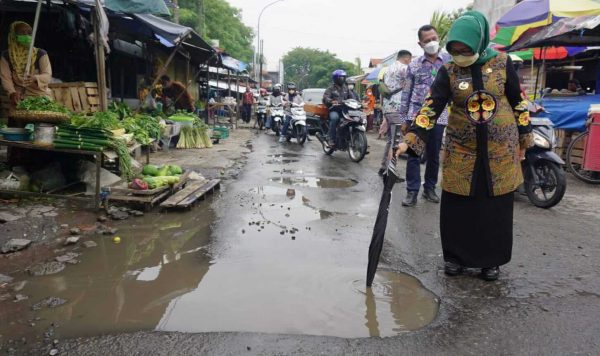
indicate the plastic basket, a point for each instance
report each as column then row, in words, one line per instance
column 223, row 132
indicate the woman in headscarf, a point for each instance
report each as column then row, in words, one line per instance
column 486, row 138
column 13, row 63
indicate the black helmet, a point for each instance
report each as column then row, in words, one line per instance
column 291, row 86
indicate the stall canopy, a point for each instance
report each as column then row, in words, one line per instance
column 222, row 85
column 138, row 6
column 171, row 34
column 233, row 64
column 577, row 31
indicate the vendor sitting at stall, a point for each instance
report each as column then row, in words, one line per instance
column 13, row 63
column 575, row 87
column 177, row 93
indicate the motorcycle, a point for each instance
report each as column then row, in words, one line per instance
column 351, row 130
column 297, row 128
column 261, row 114
column 544, row 179
column 277, row 117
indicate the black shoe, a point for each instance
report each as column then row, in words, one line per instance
column 430, row 195
column 490, row 274
column 452, row 269
column 410, row 199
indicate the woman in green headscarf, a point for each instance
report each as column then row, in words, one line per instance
column 13, row 63
column 486, row 137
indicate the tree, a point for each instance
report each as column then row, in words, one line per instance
column 443, row 20
column 312, row 68
column 218, row 20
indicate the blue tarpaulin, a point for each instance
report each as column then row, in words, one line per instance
column 570, row 113
column 233, row 64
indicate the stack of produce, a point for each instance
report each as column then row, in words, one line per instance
column 94, row 139
column 41, row 103
column 100, row 120
column 156, row 177
column 196, row 136
column 144, row 128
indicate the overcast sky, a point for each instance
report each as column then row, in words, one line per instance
column 348, row 28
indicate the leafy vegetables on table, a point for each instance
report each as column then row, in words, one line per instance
column 41, row 103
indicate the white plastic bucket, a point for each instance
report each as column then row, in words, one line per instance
column 44, row 134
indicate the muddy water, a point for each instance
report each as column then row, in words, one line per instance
column 277, row 274
column 316, row 182
column 267, row 268
column 120, row 287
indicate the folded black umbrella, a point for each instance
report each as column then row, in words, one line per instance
column 389, row 180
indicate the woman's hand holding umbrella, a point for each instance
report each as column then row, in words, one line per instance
column 402, row 148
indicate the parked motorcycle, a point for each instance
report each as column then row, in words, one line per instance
column 297, row 128
column 545, row 182
column 277, row 117
column 350, row 132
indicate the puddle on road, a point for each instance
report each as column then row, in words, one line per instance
column 316, row 182
column 119, row 287
column 278, row 276
column 281, row 161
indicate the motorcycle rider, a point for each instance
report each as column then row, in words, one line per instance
column 275, row 99
column 332, row 98
column 263, row 100
column 292, row 97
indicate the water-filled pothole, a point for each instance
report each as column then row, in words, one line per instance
column 316, row 182
column 281, row 161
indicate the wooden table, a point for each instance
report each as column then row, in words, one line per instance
column 30, row 146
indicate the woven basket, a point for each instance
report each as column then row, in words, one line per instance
column 40, row 116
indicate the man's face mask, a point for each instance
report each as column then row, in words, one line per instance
column 351, row 87
column 24, row 40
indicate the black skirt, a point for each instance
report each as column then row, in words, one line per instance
column 477, row 231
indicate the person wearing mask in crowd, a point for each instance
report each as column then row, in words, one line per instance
column 393, row 80
column 420, row 75
column 333, row 98
column 369, row 104
column 176, row 93
column 488, row 132
column 275, row 99
column 247, row 102
column 13, row 63
column 291, row 97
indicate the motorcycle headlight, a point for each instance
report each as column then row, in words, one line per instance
column 540, row 141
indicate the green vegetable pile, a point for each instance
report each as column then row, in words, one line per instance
column 157, row 177
column 41, row 103
column 100, row 120
column 143, row 127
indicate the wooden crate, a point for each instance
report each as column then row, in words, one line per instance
column 77, row 96
column 564, row 139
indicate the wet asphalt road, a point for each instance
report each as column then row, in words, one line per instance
column 546, row 302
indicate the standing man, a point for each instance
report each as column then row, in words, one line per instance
column 394, row 80
column 247, row 102
column 420, row 75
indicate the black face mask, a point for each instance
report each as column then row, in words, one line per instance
column 340, row 81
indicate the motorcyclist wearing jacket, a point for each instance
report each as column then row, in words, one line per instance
column 263, row 100
column 292, row 97
column 333, row 97
column 275, row 99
